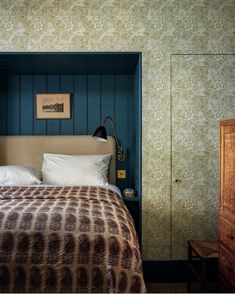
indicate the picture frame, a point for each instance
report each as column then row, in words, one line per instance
column 53, row 106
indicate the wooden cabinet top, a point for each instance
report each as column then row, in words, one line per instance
column 227, row 122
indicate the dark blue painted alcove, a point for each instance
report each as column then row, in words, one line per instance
column 100, row 84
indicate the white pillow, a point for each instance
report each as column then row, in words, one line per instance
column 15, row 175
column 72, row 170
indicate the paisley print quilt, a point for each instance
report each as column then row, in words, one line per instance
column 67, row 239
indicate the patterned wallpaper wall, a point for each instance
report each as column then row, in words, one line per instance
column 158, row 28
column 203, row 93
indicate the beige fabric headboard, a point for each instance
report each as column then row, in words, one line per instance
column 28, row 150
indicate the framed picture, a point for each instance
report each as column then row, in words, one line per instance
column 53, row 106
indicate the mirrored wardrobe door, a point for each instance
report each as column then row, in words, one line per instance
column 203, row 93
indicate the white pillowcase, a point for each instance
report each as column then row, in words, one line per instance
column 72, row 170
column 15, row 175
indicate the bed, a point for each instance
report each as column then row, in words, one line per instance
column 65, row 238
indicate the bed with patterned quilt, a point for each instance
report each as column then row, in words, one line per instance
column 67, row 239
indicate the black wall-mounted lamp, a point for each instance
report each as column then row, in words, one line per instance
column 100, row 134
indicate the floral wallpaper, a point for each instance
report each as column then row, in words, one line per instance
column 203, row 93
column 158, row 28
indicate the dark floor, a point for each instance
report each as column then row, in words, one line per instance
column 166, row 287
column 179, row 288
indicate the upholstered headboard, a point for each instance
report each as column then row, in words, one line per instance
column 28, row 150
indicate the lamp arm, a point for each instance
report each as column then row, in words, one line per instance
column 121, row 156
column 114, row 129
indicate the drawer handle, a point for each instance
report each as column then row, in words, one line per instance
column 231, row 237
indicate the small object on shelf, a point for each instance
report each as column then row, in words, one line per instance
column 129, row 192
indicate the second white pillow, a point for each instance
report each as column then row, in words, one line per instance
column 75, row 170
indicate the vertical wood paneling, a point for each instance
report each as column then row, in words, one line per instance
column 39, row 86
column 138, row 127
column 13, row 105
column 132, row 132
column 3, row 105
column 80, row 105
column 93, row 103
column 53, row 86
column 108, row 100
column 26, row 105
column 66, row 86
column 122, row 123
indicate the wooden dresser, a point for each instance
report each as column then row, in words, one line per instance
column 227, row 206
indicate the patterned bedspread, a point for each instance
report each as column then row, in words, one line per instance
column 67, row 239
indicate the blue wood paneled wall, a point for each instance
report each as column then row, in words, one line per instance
column 137, row 147
column 93, row 97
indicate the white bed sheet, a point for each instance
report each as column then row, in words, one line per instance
column 113, row 188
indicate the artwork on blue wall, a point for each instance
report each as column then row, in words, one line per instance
column 53, row 106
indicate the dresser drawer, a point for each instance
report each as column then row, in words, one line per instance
column 227, row 265
column 228, row 213
column 227, row 234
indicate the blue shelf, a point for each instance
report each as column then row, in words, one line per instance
column 68, row 62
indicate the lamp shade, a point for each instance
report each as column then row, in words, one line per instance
column 100, row 134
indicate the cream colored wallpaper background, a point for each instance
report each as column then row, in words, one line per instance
column 203, row 93
column 158, row 28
